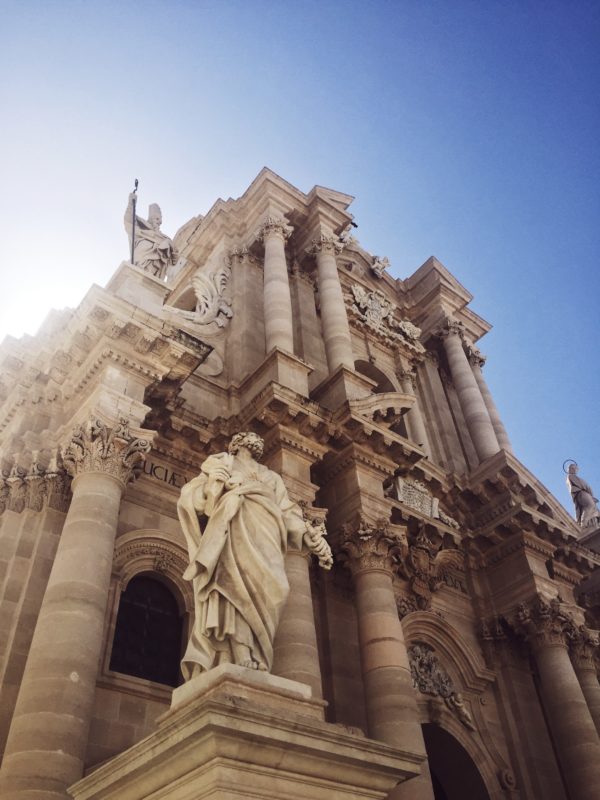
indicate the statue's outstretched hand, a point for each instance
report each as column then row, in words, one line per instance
column 314, row 538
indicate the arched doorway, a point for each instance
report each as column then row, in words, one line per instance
column 453, row 771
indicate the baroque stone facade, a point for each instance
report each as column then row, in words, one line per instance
column 450, row 652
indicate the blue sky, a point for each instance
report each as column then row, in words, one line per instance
column 466, row 130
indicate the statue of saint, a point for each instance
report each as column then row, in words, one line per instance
column 239, row 521
column 154, row 252
column 586, row 510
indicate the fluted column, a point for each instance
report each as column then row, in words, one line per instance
column 469, row 395
column 392, row 712
column 49, row 730
column 334, row 319
column 547, row 628
column 584, row 647
column 296, row 655
column 279, row 327
column 414, row 417
column 477, row 360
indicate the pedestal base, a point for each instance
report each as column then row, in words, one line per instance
column 280, row 367
column 138, row 287
column 233, row 733
column 342, row 385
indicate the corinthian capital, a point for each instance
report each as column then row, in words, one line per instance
column 369, row 546
column 451, row 327
column 274, row 226
column 543, row 623
column 330, row 244
column 115, row 451
column 584, row 648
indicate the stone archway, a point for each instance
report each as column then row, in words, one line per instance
column 453, row 772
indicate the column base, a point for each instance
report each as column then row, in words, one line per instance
column 234, row 733
column 342, row 385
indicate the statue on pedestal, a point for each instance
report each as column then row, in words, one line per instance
column 239, row 521
column 153, row 251
column 586, row 510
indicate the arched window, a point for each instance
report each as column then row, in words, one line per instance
column 148, row 633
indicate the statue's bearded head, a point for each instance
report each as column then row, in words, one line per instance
column 154, row 216
column 251, row 441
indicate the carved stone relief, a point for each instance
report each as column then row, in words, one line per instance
column 429, row 677
column 213, row 305
column 377, row 313
column 415, row 494
column 426, row 566
column 36, row 487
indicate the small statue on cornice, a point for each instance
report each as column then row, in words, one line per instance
column 586, row 509
column 380, row 265
column 153, row 251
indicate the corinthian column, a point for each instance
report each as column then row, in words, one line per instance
column 577, row 746
column 336, row 331
column 469, row 395
column 477, row 360
column 279, row 330
column 49, row 731
column 414, row 417
column 584, row 647
column 391, row 703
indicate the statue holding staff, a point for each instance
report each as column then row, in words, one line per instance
column 239, row 521
column 151, row 250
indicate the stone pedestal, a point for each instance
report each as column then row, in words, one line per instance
column 280, row 367
column 344, row 384
column 234, row 733
column 138, row 287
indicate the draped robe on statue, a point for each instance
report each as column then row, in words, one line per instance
column 237, row 562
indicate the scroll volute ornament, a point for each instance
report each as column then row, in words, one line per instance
column 368, row 545
column 94, row 447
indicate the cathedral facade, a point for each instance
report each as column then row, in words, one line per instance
column 449, row 652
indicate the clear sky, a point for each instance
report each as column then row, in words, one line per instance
column 465, row 130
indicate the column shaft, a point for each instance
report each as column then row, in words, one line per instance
column 414, row 418
column 391, row 704
column 48, row 735
column 573, row 730
column 588, row 680
column 334, row 319
column 470, row 398
column 279, row 328
column 296, row 654
column 499, row 428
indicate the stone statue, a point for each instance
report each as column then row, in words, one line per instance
column 154, row 251
column 586, row 510
column 239, row 521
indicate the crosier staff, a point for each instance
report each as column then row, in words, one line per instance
column 133, row 204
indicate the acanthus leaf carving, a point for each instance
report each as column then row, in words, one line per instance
column 94, row 447
column 277, row 226
column 543, row 623
column 368, row 546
